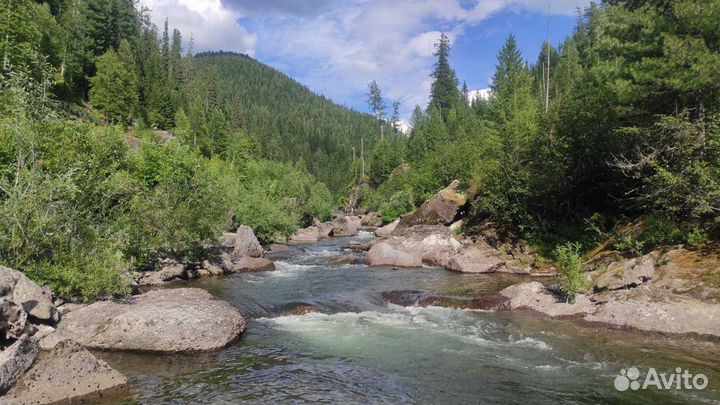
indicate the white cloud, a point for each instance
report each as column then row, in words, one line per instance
column 340, row 48
column 482, row 94
column 212, row 25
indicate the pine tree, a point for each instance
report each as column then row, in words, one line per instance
column 444, row 94
column 377, row 105
column 20, row 36
column 396, row 116
column 509, row 69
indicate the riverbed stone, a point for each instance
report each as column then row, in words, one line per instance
column 246, row 244
column 343, row 260
column 310, row 234
column 35, row 300
column 69, row 372
column 386, row 230
column 390, row 254
column 247, row 264
column 476, row 259
column 15, row 359
column 346, row 225
column 170, row 321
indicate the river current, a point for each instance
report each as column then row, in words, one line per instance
column 358, row 349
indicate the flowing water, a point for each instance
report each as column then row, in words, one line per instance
column 360, row 350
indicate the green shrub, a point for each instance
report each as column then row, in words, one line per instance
column 572, row 279
column 697, row 238
column 398, row 204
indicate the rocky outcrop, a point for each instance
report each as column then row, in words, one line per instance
column 628, row 273
column 346, row 226
column 171, row 321
column 35, row 300
column 13, row 320
column 394, row 255
column 673, row 314
column 169, row 270
column 325, row 229
column 247, row 264
column 536, row 297
column 415, row 298
column 441, row 209
column 387, row 230
column 67, row 373
column 15, row 359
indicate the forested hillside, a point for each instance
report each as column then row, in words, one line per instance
column 624, row 129
column 92, row 186
column 288, row 122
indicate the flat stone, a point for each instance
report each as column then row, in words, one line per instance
column 170, row 320
column 67, row 373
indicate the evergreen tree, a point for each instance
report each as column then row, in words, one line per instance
column 20, row 36
column 396, row 116
column 444, row 95
column 115, row 86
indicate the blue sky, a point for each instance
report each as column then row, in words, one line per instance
column 336, row 47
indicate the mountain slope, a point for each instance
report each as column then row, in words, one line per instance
column 290, row 122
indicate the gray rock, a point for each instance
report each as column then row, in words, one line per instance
column 171, row 320
column 371, row 219
column 346, row 226
column 441, row 209
column 35, row 300
column 248, row 264
column 476, row 259
column 343, row 260
column 306, row 235
column 67, row 373
column 246, row 244
column 15, row 359
column 169, row 270
column 386, row 230
column 13, row 320
column 394, row 255
column 325, row 229
column 50, row 341
column 535, row 296
column 630, row 273
column 212, row 269
column 676, row 314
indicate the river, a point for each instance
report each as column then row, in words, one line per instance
column 360, row 350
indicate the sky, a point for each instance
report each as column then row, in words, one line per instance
column 336, row 47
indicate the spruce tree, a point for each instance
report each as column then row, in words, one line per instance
column 444, row 94
column 114, row 87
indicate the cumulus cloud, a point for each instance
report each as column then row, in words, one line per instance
column 337, row 46
column 212, row 25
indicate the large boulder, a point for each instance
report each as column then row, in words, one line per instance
column 246, row 244
column 477, row 259
column 536, row 297
column 35, row 300
column 247, row 264
column 67, row 373
column 441, row 209
column 15, row 359
column 171, row 321
column 169, row 270
column 324, row 228
column 346, row 226
column 306, row 235
column 385, row 231
column 386, row 253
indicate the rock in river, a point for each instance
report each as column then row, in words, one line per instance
column 68, row 373
column 35, row 300
column 172, row 321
